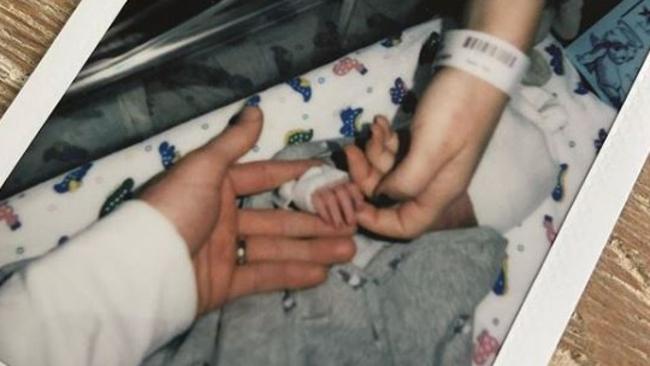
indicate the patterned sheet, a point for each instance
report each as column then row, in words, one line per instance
column 329, row 102
column 279, row 46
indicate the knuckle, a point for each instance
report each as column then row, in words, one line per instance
column 320, row 275
column 347, row 250
column 291, row 277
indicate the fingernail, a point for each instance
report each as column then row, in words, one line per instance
column 234, row 119
column 239, row 115
column 248, row 109
column 383, row 200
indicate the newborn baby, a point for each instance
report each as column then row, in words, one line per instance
column 338, row 192
column 396, row 303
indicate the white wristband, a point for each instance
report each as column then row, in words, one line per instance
column 299, row 192
column 485, row 56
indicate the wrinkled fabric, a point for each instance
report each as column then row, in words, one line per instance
column 410, row 303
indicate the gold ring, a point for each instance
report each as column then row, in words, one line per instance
column 241, row 252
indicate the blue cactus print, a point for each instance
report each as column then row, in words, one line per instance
column 600, row 141
column 349, row 117
column 402, row 96
column 556, row 58
column 72, row 181
column 301, row 86
column 398, row 92
column 168, row 154
column 253, row 101
column 123, row 193
column 296, row 137
column 501, row 285
column 581, row 88
column 559, row 190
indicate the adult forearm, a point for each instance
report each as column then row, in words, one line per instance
column 515, row 21
column 115, row 293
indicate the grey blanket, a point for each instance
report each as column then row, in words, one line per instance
column 412, row 305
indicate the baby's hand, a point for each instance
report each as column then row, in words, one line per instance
column 369, row 168
column 338, row 204
column 339, row 201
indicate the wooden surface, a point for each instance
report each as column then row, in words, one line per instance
column 27, row 28
column 611, row 326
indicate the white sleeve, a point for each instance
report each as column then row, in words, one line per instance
column 112, row 295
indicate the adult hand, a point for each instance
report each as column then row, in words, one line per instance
column 432, row 181
column 451, row 128
column 284, row 249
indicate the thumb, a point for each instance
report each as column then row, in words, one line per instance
column 237, row 139
column 414, row 174
column 405, row 182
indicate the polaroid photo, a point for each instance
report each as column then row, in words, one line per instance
column 130, row 90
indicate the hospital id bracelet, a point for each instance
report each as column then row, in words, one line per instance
column 485, row 56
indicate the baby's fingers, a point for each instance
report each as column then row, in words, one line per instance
column 319, row 205
column 382, row 146
column 357, row 196
column 391, row 140
column 363, row 174
column 346, row 203
column 332, row 206
column 287, row 223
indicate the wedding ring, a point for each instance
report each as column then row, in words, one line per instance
column 241, row 252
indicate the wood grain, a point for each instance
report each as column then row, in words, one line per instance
column 611, row 325
column 27, row 28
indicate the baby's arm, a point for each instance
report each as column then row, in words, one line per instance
column 325, row 191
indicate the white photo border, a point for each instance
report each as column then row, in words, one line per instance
column 52, row 77
column 541, row 320
column 559, row 284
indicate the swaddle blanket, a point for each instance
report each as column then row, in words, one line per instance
column 331, row 102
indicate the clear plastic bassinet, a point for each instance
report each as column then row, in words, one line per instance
column 141, row 82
